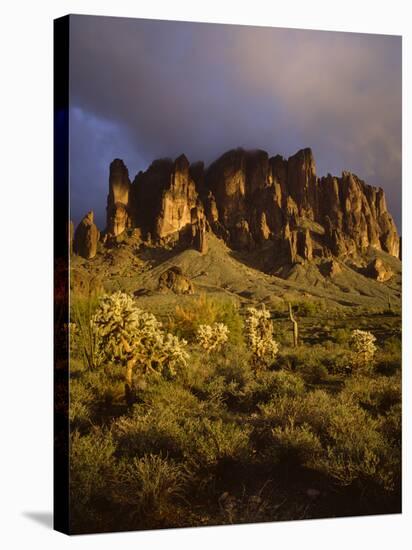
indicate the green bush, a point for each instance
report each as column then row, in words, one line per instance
column 355, row 449
column 314, row 409
column 82, row 310
column 377, row 394
column 81, row 403
column 295, row 445
column 342, row 335
column 314, row 373
column 306, row 308
column 270, row 385
column 149, row 486
column 207, row 311
column 91, row 470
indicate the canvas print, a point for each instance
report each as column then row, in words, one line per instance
column 228, row 274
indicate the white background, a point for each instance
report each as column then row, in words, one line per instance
column 26, row 271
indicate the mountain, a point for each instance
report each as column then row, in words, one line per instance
column 266, row 219
column 247, row 198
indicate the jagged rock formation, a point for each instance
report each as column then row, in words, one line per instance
column 86, row 237
column 331, row 268
column 248, row 198
column 162, row 199
column 118, row 199
column 198, row 221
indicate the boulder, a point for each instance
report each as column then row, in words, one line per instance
column 86, row 237
column 173, row 280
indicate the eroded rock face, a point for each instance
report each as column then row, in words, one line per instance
column 118, row 199
column 248, row 198
column 331, row 268
column 173, row 279
column 162, row 199
column 177, row 200
column 304, row 245
column 86, row 237
column 379, row 271
column 198, row 221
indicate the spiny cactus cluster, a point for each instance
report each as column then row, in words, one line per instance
column 212, row 337
column 364, row 349
column 134, row 338
column 259, row 335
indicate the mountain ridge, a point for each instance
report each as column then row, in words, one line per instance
column 253, row 202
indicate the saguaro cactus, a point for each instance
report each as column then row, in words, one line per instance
column 295, row 327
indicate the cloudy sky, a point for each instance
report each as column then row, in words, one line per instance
column 142, row 89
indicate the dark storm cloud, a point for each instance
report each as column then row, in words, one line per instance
column 145, row 89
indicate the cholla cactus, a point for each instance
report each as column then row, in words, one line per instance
column 259, row 335
column 212, row 337
column 127, row 335
column 363, row 346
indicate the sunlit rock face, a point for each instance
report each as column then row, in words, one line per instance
column 118, row 199
column 249, row 200
column 177, row 201
column 86, row 237
column 378, row 270
column 162, row 199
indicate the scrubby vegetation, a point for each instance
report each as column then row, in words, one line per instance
column 213, row 417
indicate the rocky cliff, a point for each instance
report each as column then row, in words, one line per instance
column 247, row 199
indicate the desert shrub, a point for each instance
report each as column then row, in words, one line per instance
column 208, row 441
column 148, row 487
column 363, row 346
column 393, row 346
column 199, row 440
column 387, row 364
column 355, row 450
column 294, row 445
column 81, row 403
column 145, row 432
column 212, row 337
column 155, row 425
column 134, row 338
column 354, row 446
column 259, row 336
column 376, row 394
column 83, row 339
column 205, row 310
column 92, row 465
column 267, row 386
column 306, row 308
column 390, row 425
column 342, row 335
column 389, row 360
column 314, row 372
column 313, row 408
column 314, row 361
column 233, row 364
column 103, row 388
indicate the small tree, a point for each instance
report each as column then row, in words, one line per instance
column 134, row 338
column 212, row 337
column 364, row 349
column 259, row 336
